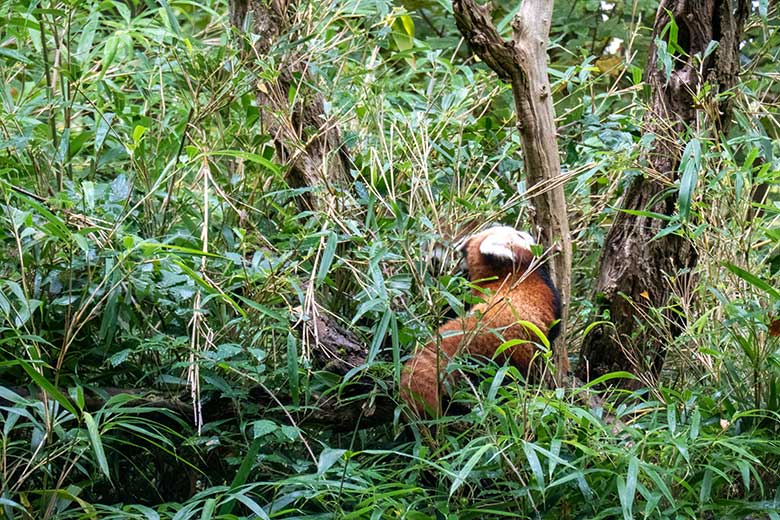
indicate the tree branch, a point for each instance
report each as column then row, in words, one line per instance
column 307, row 140
column 476, row 25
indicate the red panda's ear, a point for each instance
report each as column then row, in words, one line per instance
column 463, row 245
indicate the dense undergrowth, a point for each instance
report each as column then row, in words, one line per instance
column 150, row 241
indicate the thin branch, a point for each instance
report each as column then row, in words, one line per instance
column 475, row 23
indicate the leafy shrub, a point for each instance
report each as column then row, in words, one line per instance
column 152, row 242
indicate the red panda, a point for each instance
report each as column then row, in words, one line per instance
column 514, row 287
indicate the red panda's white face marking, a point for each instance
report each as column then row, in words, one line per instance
column 499, row 240
column 495, row 252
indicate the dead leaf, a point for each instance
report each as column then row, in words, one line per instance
column 774, row 328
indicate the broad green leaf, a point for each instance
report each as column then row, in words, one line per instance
column 627, row 499
column 403, row 32
column 252, row 506
column 103, row 126
column 465, row 471
column 754, row 280
column 148, row 248
column 608, row 377
column 109, row 53
column 208, row 509
column 247, row 156
column 498, row 379
column 328, row 458
column 534, row 463
column 626, row 503
column 648, row 214
column 52, row 224
column 327, row 256
column 291, row 432
column 171, row 17
column 263, row 427
column 213, row 291
column 292, row 367
column 77, row 395
column 138, row 133
column 49, row 388
column 66, row 495
column 689, row 166
column 652, row 474
column 664, row 58
column 695, row 424
column 668, row 230
column 380, row 331
column 87, row 37
column 705, row 491
column 63, row 153
column 249, row 461
column 97, row 443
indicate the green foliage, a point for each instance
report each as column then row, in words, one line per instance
column 151, row 241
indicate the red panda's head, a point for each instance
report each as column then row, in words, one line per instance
column 496, row 252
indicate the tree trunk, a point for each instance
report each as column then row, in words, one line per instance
column 523, row 63
column 637, row 271
column 306, row 140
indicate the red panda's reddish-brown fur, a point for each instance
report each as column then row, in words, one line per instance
column 514, row 288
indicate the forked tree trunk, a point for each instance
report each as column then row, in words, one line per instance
column 523, row 63
column 306, row 140
column 637, row 271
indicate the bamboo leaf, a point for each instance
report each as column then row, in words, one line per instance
column 247, row 156
column 465, row 471
column 689, row 165
column 172, row 21
column 208, row 509
column 246, row 467
column 87, row 37
column 327, row 256
column 328, row 458
column 534, row 463
column 753, row 280
column 292, row 367
column 498, row 379
column 47, row 387
column 109, row 52
column 97, row 443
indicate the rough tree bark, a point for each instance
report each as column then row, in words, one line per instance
column 523, row 63
column 636, row 271
column 306, row 140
